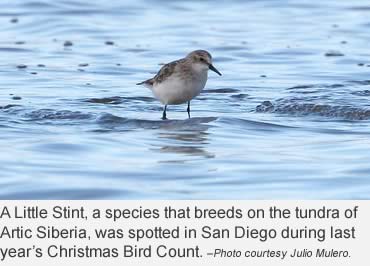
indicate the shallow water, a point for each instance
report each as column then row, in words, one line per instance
column 289, row 118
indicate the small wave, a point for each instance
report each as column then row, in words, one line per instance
column 316, row 86
column 37, row 5
column 304, row 109
column 108, row 100
column 8, row 106
column 49, row 114
column 361, row 82
column 87, row 193
column 250, row 124
column 224, row 59
column 230, row 48
column 137, row 50
column 106, row 118
column 14, row 50
column 224, row 90
column 301, row 87
column 333, row 53
column 240, row 96
column 118, row 100
column 112, row 122
column 360, row 8
column 361, row 93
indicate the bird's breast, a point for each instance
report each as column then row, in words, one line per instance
column 178, row 90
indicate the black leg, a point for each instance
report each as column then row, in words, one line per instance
column 188, row 110
column 164, row 116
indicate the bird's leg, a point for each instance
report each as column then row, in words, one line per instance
column 188, row 110
column 164, row 116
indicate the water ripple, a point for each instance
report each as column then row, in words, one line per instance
column 304, row 109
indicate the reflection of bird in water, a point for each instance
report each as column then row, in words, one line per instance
column 190, row 136
column 186, row 138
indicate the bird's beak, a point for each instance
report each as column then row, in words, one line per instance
column 211, row 67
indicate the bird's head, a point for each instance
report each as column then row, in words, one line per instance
column 202, row 61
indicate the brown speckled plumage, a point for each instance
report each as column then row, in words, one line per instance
column 184, row 63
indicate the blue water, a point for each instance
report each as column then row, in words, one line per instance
column 289, row 118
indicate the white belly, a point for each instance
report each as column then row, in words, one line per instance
column 178, row 91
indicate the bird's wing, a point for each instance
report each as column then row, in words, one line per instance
column 166, row 71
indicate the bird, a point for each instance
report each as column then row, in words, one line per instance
column 182, row 80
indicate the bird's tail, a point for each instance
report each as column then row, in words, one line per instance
column 147, row 83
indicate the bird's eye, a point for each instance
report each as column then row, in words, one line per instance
column 202, row 59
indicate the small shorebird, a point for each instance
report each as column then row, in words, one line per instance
column 181, row 80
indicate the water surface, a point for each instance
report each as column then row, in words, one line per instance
column 289, row 118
